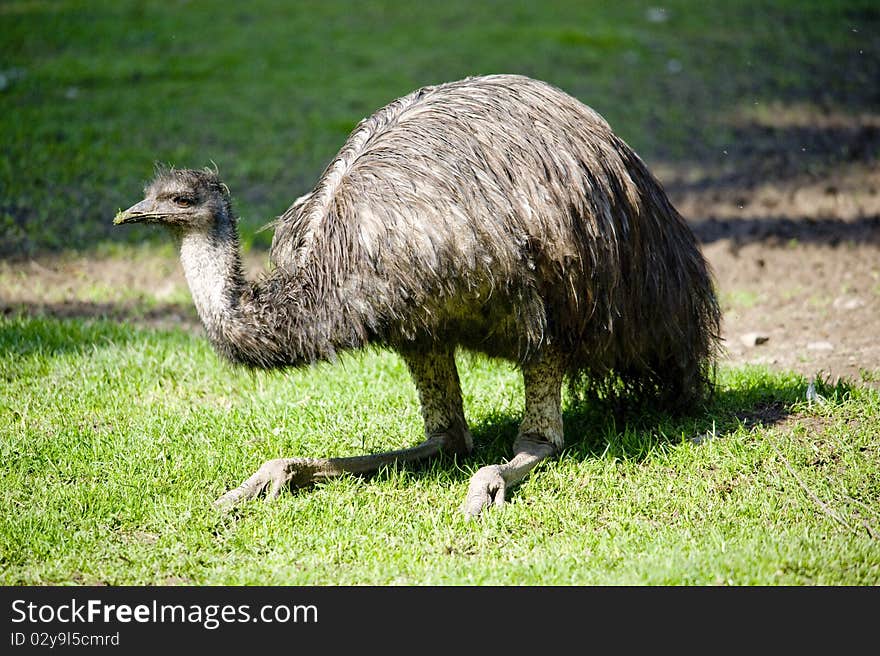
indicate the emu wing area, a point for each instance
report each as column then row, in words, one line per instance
column 494, row 212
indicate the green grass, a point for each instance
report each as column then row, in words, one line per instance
column 116, row 440
column 93, row 93
column 739, row 298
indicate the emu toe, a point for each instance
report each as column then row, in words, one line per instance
column 487, row 488
column 272, row 477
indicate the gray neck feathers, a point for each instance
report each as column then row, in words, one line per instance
column 274, row 323
column 212, row 266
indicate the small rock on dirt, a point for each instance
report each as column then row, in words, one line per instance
column 848, row 302
column 820, row 346
column 753, row 339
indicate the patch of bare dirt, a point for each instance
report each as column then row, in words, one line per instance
column 811, row 308
column 797, row 263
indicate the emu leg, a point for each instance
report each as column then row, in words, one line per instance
column 540, row 435
column 436, row 379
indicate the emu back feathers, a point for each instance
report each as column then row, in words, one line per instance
column 500, row 214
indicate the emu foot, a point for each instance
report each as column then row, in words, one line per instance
column 276, row 474
column 487, row 488
column 489, row 485
column 272, row 477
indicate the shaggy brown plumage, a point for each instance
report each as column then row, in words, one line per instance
column 495, row 213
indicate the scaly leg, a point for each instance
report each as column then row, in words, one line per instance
column 436, row 379
column 540, row 434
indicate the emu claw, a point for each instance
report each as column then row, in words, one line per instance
column 487, row 488
column 271, row 477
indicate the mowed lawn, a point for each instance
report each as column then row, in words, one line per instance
column 116, row 441
column 116, row 437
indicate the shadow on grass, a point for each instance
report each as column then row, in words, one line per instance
column 76, row 326
column 592, row 431
column 595, row 432
column 763, row 154
column 164, row 314
column 779, row 231
column 25, row 335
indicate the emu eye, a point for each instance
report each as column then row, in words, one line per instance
column 183, row 201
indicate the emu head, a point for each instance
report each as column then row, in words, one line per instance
column 183, row 200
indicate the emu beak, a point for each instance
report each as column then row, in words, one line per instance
column 138, row 213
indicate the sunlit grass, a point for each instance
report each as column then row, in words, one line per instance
column 116, row 440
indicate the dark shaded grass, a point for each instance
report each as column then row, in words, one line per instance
column 93, row 93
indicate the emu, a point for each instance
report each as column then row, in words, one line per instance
column 496, row 214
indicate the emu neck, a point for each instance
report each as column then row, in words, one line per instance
column 274, row 323
column 212, row 266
